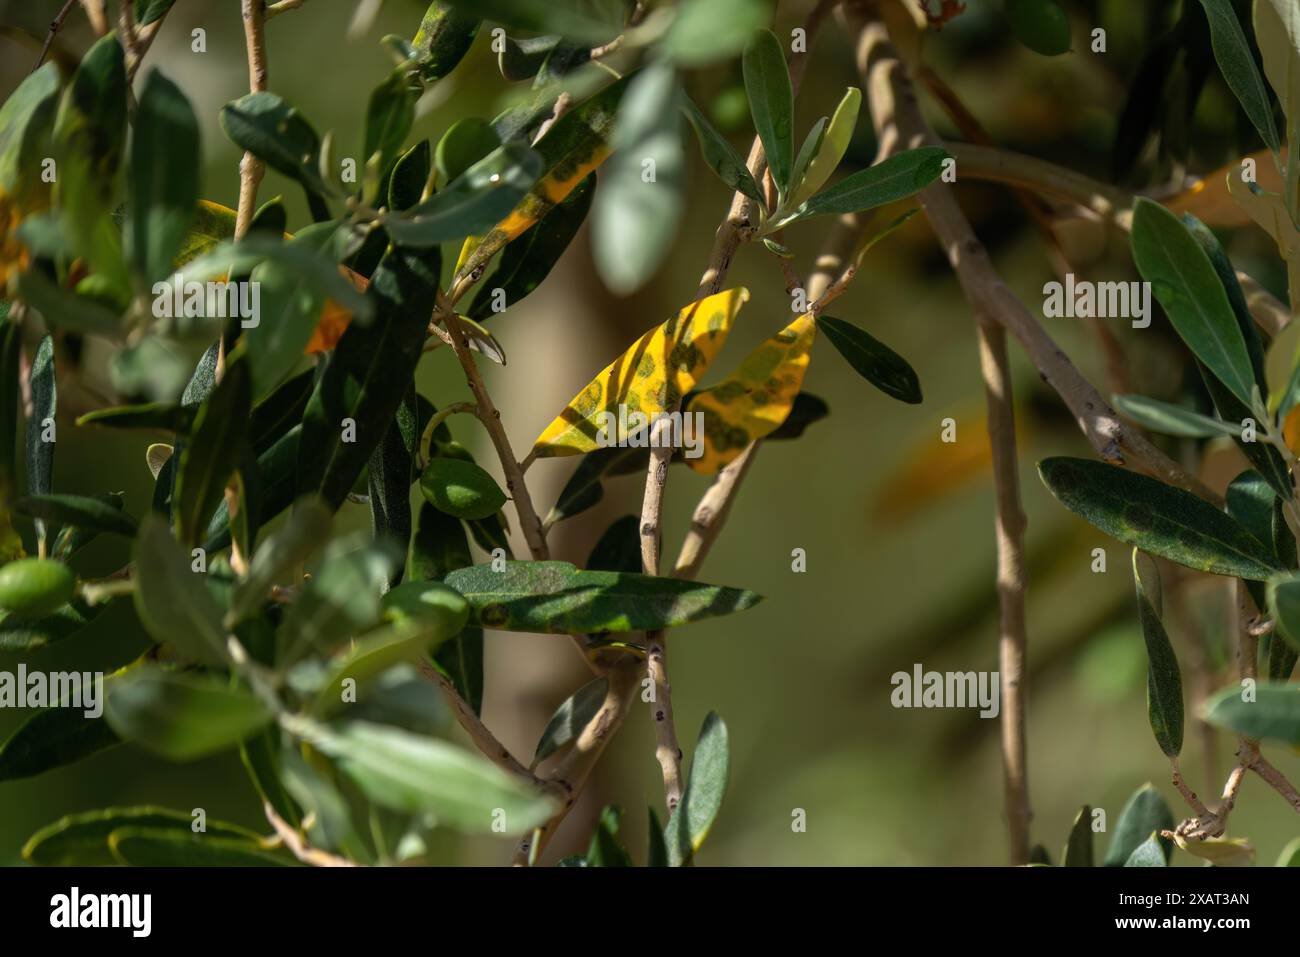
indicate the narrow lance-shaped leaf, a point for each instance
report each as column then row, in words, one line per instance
column 634, row 218
column 1078, row 848
column 1284, row 607
column 413, row 773
column 444, row 37
column 873, row 360
column 79, row 511
column 366, row 378
column 25, row 122
column 1148, row 854
column 557, row 598
column 389, row 117
column 89, row 140
column 41, row 427
column 831, row 149
column 172, row 600
column 577, row 144
column 570, row 718
column 472, row 202
column 705, row 788
column 1145, row 812
column 1237, row 64
column 771, row 103
column 1267, row 711
column 720, row 155
column 182, row 716
column 650, row 378
column 528, row 260
column 1164, row 681
column 212, row 454
column 143, row 847
column 902, row 175
column 1169, row 419
column 164, row 180
column 1184, row 281
column 54, row 738
column 1157, row 518
column 1277, row 31
column 82, row 839
column 753, row 401
column 275, row 132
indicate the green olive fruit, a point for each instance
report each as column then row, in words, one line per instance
column 35, row 586
column 461, row 489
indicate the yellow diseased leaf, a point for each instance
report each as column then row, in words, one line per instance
column 649, row 378
column 755, row 399
column 213, row 224
column 549, row 191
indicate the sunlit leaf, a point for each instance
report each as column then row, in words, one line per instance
column 650, row 378
column 705, row 788
column 755, row 400
column 557, row 598
column 1157, row 518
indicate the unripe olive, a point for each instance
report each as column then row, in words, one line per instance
column 35, row 586
column 1040, row 25
column 461, row 489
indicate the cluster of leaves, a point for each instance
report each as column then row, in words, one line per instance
column 1140, row 840
column 274, row 425
column 1254, row 386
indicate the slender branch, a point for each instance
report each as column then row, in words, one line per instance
column 1010, row 519
column 291, row 839
column 711, row 514
column 55, row 26
column 252, row 169
column 480, row 734
column 572, row 770
column 900, row 125
column 1109, row 202
column 491, row 418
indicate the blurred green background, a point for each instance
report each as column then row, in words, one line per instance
column 897, row 527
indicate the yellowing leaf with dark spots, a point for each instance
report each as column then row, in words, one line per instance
column 754, row 400
column 649, row 378
column 215, row 224
column 572, row 148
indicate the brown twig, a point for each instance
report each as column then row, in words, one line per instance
column 252, row 169
column 491, row 419
column 55, row 26
column 900, row 126
column 1108, row 202
column 1010, row 520
column 299, row 847
column 481, row 735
